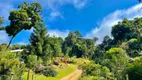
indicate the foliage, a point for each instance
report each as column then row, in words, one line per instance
column 55, row 46
column 38, row 41
column 123, row 31
column 31, row 61
column 49, row 71
column 75, row 45
column 96, row 72
column 78, row 61
column 17, row 46
column 1, row 20
column 134, row 69
column 116, row 60
column 10, row 67
column 42, row 45
column 133, row 47
column 100, row 49
column 61, row 73
column 111, row 55
column 24, row 18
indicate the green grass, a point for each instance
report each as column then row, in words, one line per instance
column 61, row 73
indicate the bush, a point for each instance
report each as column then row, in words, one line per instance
column 49, row 72
column 116, row 59
column 78, row 61
column 38, row 69
column 87, row 78
column 134, row 69
column 97, row 71
column 56, row 63
column 31, row 61
column 10, row 67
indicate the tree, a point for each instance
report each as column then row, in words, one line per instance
column 24, row 18
column 100, row 49
column 78, row 34
column 55, row 44
column 17, row 46
column 31, row 62
column 42, row 45
column 116, row 60
column 137, row 26
column 1, row 20
column 38, row 40
column 75, row 45
column 123, row 31
column 68, row 43
column 38, row 48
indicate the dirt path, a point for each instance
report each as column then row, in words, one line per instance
column 73, row 76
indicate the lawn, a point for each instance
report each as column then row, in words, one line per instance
column 61, row 73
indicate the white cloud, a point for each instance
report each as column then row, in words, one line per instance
column 3, row 37
column 54, row 6
column 58, row 33
column 54, row 15
column 105, row 25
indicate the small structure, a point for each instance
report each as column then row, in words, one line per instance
column 18, row 50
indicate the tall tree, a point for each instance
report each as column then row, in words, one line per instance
column 24, row 18
column 69, row 42
column 38, row 49
column 75, row 45
column 38, row 40
column 55, row 46
column 121, row 31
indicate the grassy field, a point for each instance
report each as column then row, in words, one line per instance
column 61, row 73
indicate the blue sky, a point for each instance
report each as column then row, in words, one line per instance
column 90, row 17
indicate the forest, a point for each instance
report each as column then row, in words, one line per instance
column 117, row 57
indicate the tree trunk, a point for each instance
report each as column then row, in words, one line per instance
column 28, row 77
column 127, row 77
column 10, row 42
column 33, row 76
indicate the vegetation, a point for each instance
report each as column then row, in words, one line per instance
column 10, row 67
column 134, row 69
column 117, row 57
column 61, row 73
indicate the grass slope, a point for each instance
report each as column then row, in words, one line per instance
column 61, row 73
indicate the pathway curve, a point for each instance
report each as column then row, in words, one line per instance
column 73, row 76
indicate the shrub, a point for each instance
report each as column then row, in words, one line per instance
column 31, row 61
column 134, row 69
column 49, row 71
column 55, row 62
column 87, row 78
column 38, row 69
column 10, row 67
column 97, row 71
column 78, row 61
